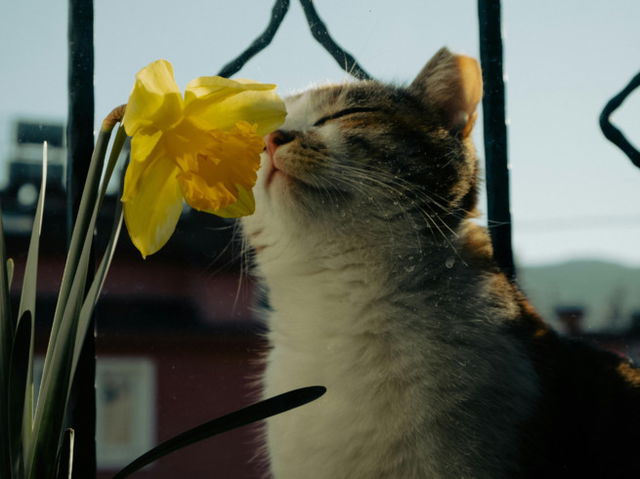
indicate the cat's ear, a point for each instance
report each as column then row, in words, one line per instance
column 453, row 85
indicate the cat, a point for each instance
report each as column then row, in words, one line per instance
column 383, row 289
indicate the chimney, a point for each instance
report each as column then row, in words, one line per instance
column 571, row 318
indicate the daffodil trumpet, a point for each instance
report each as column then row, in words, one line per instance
column 202, row 148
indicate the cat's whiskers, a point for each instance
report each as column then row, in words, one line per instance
column 449, row 157
column 430, row 197
column 430, row 219
column 427, row 201
column 244, row 266
column 235, row 232
column 398, row 195
column 358, row 186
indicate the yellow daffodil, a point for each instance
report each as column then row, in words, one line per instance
column 203, row 148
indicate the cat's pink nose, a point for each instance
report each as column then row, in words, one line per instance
column 276, row 139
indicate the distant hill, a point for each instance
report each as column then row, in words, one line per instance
column 609, row 292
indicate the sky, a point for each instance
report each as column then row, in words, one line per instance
column 574, row 195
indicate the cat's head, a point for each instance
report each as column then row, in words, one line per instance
column 363, row 154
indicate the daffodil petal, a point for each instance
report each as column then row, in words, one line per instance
column 215, row 103
column 144, row 148
column 244, row 206
column 155, row 101
column 152, row 213
column 215, row 178
column 143, row 145
column 215, row 88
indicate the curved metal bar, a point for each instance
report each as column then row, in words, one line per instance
column 279, row 10
column 612, row 133
column 319, row 31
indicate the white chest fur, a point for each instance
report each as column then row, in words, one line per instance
column 405, row 398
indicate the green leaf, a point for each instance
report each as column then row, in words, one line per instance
column 30, row 280
column 20, row 388
column 7, row 330
column 51, row 408
column 96, row 287
column 91, row 298
column 255, row 412
column 28, row 300
column 10, row 268
column 65, row 458
column 71, row 321
column 80, row 228
column 75, row 325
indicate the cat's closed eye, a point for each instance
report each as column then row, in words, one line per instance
column 345, row 112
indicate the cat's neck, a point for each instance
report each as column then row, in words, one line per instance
column 342, row 286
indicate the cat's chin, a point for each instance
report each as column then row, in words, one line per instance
column 274, row 175
column 274, row 172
